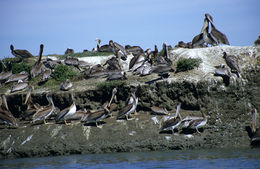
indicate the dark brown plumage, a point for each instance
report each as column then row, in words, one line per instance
column 20, row 52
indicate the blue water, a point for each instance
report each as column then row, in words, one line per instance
column 221, row 158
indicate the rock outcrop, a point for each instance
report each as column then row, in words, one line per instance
column 228, row 111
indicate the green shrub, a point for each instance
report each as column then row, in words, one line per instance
column 185, row 64
column 63, row 72
column 19, row 67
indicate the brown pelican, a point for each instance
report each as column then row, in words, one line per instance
column 257, row 41
column 67, row 112
column 207, row 37
column 38, row 67
column 5, row 75
column 78, row 115
column 18, row 76
column 159, row 110
column 20, row 52
column 199, row 123
column 232, row 62
column 224, row 72
column 6, row 116
column 204, row 36
column 69, row 51
column 218, row 36
column 255, row 139
column 121, row 75
column 44, row 112
column 104, row 48
column 96, row 116
column 19, row 86
column 46, row 75
column 113, row 64
column 50, row 63
column 137, row 61
column 129, row 108
column 118, row 50
column 113, row 97
column 172, row 122
column 31, row 107
column 67, row 85
column 135, row 50
column 71, row 61
column 164, row 59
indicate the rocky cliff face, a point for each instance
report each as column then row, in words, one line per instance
column 228, row 110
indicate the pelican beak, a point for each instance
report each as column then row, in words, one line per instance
column 27, row 96
column 5, row 102
column 115, row 98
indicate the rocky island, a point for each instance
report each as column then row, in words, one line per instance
column 228, row 108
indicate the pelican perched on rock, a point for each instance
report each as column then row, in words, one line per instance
column 255, row 139
column 103, row 48
column 5, row 75
column 159, row 110
column 71, row 61
column 224, row 72
column 38, row 67
column 44, row 112
column 232, row 62
column 118, row 50
column 67, row 112
column 18, row 76
column 96, row 116
column 164, row 59
column 207, row 37
column 21, row 53
column 113, row 64
column 204, row 36
column 172, row 122
column 135, row 50
column 31, row 106
column 46, row 75
column 65, row 86
column 218, row 36
column 199, row 123
column 6, row 116
column 129, row 108
column 121, row 75
column 51, row 63
column 21, row 85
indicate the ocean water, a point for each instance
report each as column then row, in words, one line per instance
column 218, row 158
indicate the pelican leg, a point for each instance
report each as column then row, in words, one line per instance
column 98, row 125
column 67, row 124
column 198, row 130
column 44, row 121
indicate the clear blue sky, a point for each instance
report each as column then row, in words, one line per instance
column 59, row 24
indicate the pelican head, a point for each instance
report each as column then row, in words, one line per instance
column 111, row 43
column 12, row 47
column 164, row 44
column 209, row 17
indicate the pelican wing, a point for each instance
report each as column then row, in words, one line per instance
column 124, row 110
column 62, row 114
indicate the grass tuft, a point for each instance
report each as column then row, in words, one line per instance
column 63, row 72
column 185, row 64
